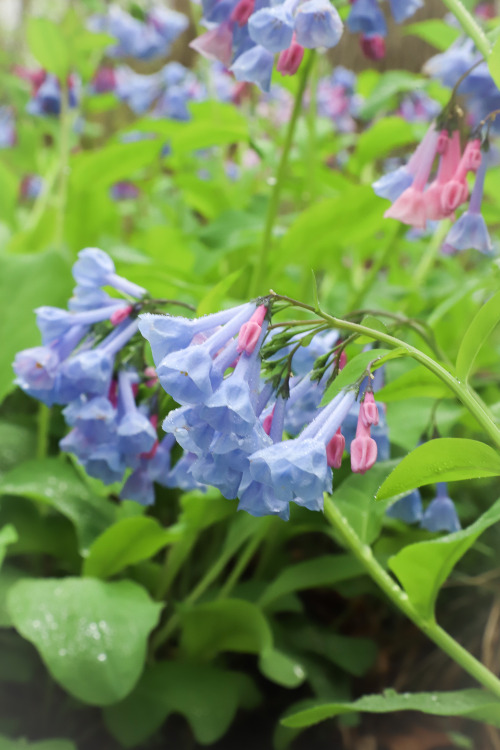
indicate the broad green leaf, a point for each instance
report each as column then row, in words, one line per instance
column 48, row 45
column 353, row 371
column 494, row 63
column 476, row 334
column 355, row 499
column 38, row 279
column 202, row 509
column 91, row 635
column 225, row 625
column 206, row 696
column 17, row 443
column 434, row 31
column 423, row 567
column 213, row 299
column 281, row 668
column 354, row 655
column 9, row 575
column 416, row 383
column 379, row 139
column 8, row 535
column 321, row 571
column 125, row 543
column 470, row 704
column 54, row 482
column 388, row 85
column 441, row 460
column 6, row 743
column 118, row 161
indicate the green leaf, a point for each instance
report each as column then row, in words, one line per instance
column 213, row 299
column 206, row 696
column 54, row 482
column 125, row 543
column 470, row 704
column 379, row 139
column 434, row 31
column 8, row 535
column 9, row 575
column 112, row 163
column 353, row 371
column 91, row 635
column 48, row 45
column 494, row 63
column 17, row 444
column 423, row 567
column 281, row 668
column 418, row 382
column 225, row 625
column 321, row 571
column 38, row 279
column 482, row 325
column 388, row 85
column 441, row 460
column 354, row 655
column 6, row 743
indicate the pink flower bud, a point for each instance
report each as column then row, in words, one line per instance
column 472, row 155
column 242, row 12
column 335, row 450
column 290, row 59
column 342, row 359
column 368, row 410
column 266, row 424
column 373, row 47
column 113, row 393
column 119, row 315
column 363, row 454
column 150, row 454
column 250, row 332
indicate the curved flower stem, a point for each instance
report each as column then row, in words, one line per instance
column 272, row 211
column 469, row 25
column 396, row 594
column 43, row 427
column 463, row 392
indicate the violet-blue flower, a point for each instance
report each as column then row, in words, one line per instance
column 272, row 28
column 318, row 24
column 407, row 509
column 365, row 17
column 441, row 514
column 255, row 66
column 470, row 231
column 403, row 9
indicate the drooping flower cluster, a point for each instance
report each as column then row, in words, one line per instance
column 367, row 19
column 142, row 39
column 89, row 361
column 417, row 196
column 337, row 99
column 46, row 92
column 246, row 35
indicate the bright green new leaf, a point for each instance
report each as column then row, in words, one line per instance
column 321, row 571
column 125, row 543
column 486, row 319
column 416, row 383
column 91, row 635
column 281, row 668
column 225, row 625
column 206, row 696
column 213, row 299
column 379, row 139
column 353, row 371
column 56, row 483
column 434, row 31
column 48, row 45
column 441, row 460
column 470, row 704
column 423, row 567
column 112, row 163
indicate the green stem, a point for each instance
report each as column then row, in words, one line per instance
column 395, row 593
column 64, row 145
column 43, row 425
column 376, row 267
column 469, row 25
column 461, row 390
column 428, row 258
column 272, row 211
column 241, row 564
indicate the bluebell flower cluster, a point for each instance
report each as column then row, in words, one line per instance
column 367, row 19
column 46, row 92
column 246, row 35
column 419, row 196
column 88, row 363
column 338, row 100
column 142, row 39
column 440, row 514
column 255, row 429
